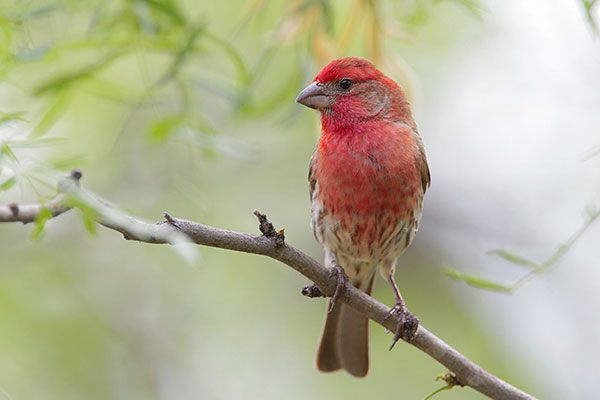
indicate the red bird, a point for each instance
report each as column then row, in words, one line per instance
column 368, row 176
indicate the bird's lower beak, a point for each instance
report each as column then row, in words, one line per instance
column 314, row 96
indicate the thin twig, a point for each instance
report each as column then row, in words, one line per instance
column 27, row 213
column 270, row 244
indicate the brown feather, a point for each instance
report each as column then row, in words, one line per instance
column 345, row 340
column 422, row 164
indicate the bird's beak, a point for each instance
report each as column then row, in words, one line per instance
column 314, row 96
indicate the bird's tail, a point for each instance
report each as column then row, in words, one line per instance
column 345, row 339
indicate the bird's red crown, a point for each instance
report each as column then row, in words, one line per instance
column 356, row 68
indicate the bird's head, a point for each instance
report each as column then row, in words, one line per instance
column 353, row 89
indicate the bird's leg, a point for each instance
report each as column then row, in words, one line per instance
column 340, row 284
column 407, row 322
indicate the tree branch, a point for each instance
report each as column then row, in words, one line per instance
column 271, row 244
column 28, row 213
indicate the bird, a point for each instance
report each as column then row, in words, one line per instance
column 367, row 177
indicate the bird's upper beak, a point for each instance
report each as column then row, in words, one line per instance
column 314, row 96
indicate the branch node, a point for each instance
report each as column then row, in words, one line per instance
column 14, row 209
column 450, row 379
column 280, row 238
column 266, row 228
column 312, row 291
column 70, row 182
column 168, row 218
column 76, row 174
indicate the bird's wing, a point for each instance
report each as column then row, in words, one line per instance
column 422, row 165
column 420, row 157
column 316, row 210
column 312, row 180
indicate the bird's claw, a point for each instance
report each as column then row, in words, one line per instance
column 340, row 284
column 407, row 324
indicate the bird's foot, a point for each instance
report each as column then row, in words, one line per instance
column 407, row 323
column 340, row 284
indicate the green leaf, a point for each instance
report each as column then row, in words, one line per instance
column 117, row 92
column 6, row 118
column 89, row 222
column 513, row 258
column 183, row 53
column 430, row 395
column 168, row 8
column 6, row 150
column 476, row 281
column 89, row 214
column 40, row 223
column 7, row 184
column 51, row 116
column 165, row 127
column 588, row 6
column 63, row 81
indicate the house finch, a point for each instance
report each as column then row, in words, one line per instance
column 368, row 176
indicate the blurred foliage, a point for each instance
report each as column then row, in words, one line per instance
column 592, row 212
column 94, row 41
column 589, row 8
column 100, row 35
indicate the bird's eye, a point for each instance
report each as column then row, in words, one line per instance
column 345, row 83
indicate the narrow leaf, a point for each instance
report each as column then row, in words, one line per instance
column 7, row 184
column 476, row 281
column 63, row 81
column 51, row 116
column 447, row 387
column 89, row 222
column 513, row 258
column 40, row 223
column 183, row 53
column 6, row 150
column 167, row 8
column 89, row 214
column 163, row 128
column 6, row 118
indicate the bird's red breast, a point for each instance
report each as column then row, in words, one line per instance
column 368, row 177
column 369, row 168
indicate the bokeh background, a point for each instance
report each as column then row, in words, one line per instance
column 189, row 107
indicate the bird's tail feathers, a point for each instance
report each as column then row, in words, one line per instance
column 345, row 339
